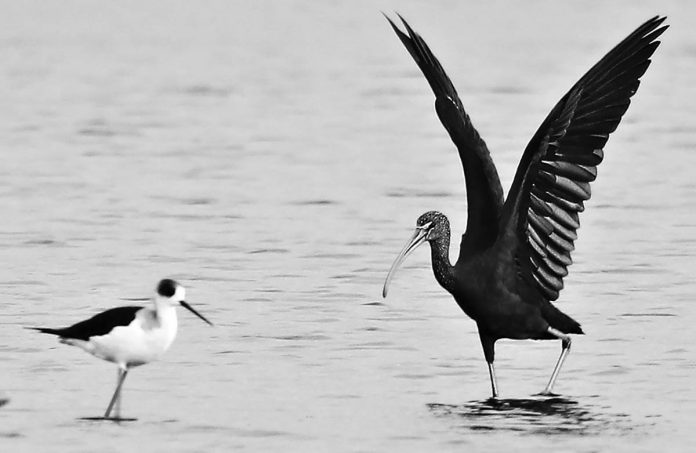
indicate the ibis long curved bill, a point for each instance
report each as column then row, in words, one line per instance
column 192, row 310
column 419, row 237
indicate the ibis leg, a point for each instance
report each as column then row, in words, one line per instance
column 117, row 394
column 565, row 349
column 488, row 343
column 494, row 382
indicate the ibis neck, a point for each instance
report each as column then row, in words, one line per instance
column 444, row 272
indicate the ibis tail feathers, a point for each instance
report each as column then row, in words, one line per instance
column 559, row 320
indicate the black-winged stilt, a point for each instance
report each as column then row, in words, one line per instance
column 129, row 336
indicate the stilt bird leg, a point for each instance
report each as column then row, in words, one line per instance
column 118, row 400
column 117, row 394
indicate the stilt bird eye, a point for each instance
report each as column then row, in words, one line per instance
column 166, row 287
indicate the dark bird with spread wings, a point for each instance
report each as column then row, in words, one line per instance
column 516, row 251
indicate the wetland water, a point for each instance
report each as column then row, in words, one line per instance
column 274, row 159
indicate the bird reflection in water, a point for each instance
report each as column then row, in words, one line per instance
column 533, row 415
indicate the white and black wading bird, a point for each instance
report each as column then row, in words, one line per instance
column 129, row 336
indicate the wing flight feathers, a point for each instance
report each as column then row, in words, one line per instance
column 554, row 175
column 484, row 192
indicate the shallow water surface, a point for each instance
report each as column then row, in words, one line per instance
column 274, row 157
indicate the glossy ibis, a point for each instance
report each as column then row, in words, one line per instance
column 516, row 251
column 129, row 336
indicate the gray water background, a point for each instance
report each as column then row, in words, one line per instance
column 273, row 157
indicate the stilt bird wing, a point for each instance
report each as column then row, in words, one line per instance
column 99, row 324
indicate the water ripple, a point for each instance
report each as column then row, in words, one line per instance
column 554, row 415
